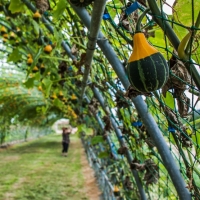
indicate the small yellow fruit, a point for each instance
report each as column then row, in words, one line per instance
column 19, row 32
column 29, row 61
column 35, row 69
column 5, row 40
column 61, row 94
column 64, row 99
column 3, row 30
column 29, row 55
column 42, row 66
column 12, row 35
column 40, row 88
column 16, row 42
column 48, row 48
column 73, row 97
column 5, row 35
column 53, row 96
column 36, row 15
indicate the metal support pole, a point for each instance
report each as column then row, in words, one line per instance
column 97, row 13
column 67, row 50
column 121, row 141
column 142, row 110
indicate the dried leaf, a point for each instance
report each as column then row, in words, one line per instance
column 74, row 49
column 177, row 79
column 122, row 150
column 42, row 5
column 107, row 122
column 171, row 117
column 131, row 93
column 137, row 166
column 127, row 183
column 183, row 103
column 152, row 172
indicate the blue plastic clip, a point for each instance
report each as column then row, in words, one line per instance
column 46, row 14
column 99, row 113
column 171, row 129
column 70, row 68
column 106, row 16
column 121, row 137
column 132, row 8
column 136, row 124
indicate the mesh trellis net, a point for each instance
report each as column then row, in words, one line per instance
column 44, row 78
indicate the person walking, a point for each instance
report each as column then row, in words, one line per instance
column 65, row 140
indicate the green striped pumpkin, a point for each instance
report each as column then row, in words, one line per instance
column 147, row 69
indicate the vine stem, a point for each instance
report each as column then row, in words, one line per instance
column 194, row 33
column 138, row 25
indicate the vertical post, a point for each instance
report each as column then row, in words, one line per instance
column 97, row 13
column 142, row 110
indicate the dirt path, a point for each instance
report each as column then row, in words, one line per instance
column 36, row 170
column 91, row 188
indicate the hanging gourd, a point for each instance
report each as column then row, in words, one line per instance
column 116, row 191
column 37, row 16
column 81, row 3
column 48, row 49
column 3, row 30
column 147, row 69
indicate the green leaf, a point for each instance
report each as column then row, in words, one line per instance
column 37, row 76
column 16, row 6
column 47, row 84
column 15, row 56
column 196, row 140
column 58, row 103
column 103, row 154
column 36, row 27
column 97, row 139
column 169, row 100
column 59, row 9
column 30, row 82
column 85, row 129
column 36, row 57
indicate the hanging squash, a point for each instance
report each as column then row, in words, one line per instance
column 116, row 191
column 147, row 69
column 37, row 16
column 81, row 3
column 48, row 49
column 3, row 30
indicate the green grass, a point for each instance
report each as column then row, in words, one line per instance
column 36, row 170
